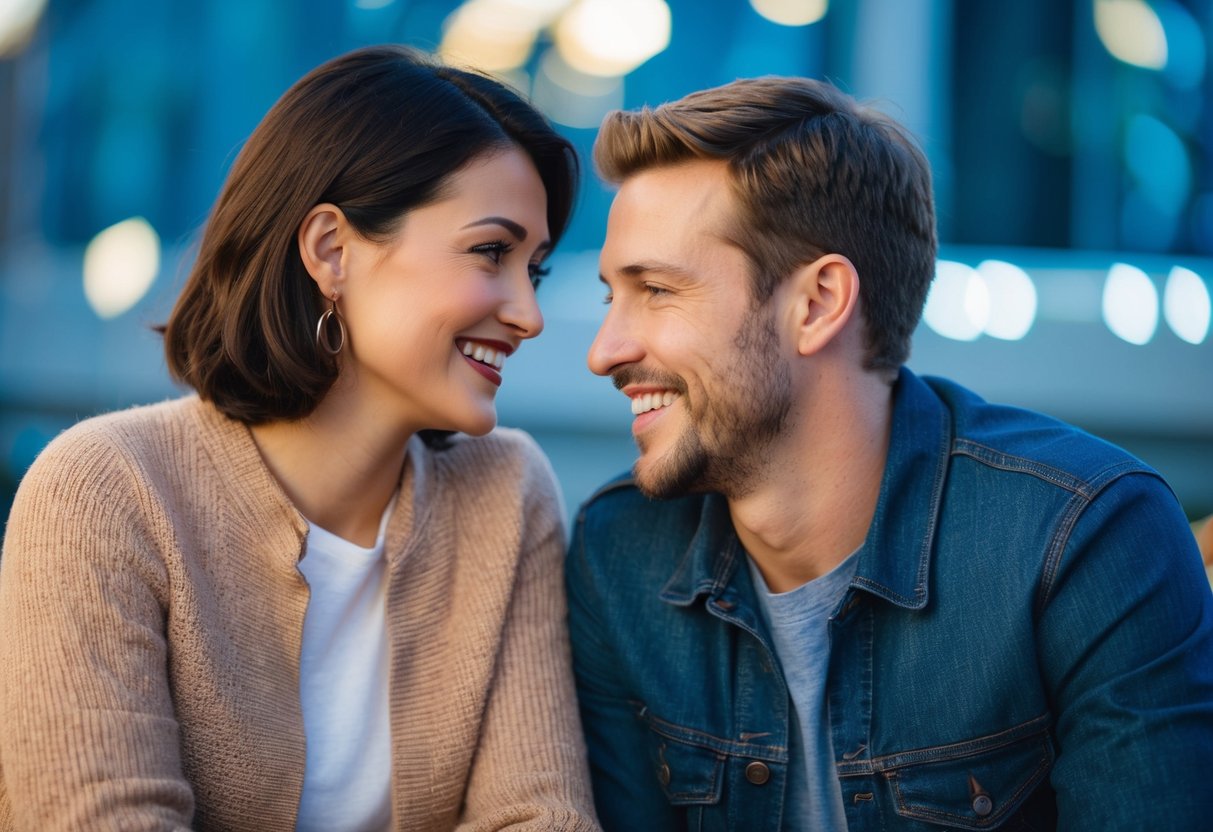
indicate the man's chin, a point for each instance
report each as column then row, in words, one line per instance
column 664, row 479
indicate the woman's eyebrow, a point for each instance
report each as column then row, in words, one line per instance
column 509, row 225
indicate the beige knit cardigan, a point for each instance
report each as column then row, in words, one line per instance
column 151, row 616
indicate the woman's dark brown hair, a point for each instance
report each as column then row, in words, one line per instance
column 377, row 132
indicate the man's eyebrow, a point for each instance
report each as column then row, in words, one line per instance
column 646, row 266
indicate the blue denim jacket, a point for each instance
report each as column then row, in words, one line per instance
column 1027, row 644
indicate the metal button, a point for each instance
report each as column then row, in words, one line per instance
column 663, row 774
column 757, row 773
column 982, row 805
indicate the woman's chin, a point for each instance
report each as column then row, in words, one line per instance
column 476, row 427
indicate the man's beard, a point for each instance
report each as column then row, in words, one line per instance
column 724, row 445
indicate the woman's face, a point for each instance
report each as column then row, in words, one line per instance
column 433, row 314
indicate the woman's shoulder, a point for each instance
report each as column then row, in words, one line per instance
column 128, row 431
column 141, row 438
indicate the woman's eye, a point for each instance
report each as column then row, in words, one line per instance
column 494, row 250
column 538, row 273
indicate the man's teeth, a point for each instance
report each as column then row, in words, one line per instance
column 651, row 401
column 485, row 355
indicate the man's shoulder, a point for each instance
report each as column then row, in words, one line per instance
column 1019, row 440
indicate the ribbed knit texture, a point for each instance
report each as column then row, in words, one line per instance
column 151, row 617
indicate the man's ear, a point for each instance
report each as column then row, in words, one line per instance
column 825, row 296
column 321, row 248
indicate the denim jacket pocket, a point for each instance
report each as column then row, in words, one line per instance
column 971, row 785
column 689, row 775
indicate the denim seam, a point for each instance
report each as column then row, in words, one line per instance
column 1056, row 548
column 952, row 751
column 708, row 742
column 925, row 812
column 1065, row 527
column 1088, row 487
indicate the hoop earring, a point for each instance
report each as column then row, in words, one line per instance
column 322, row 328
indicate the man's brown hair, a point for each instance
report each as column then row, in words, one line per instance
column 813, row 172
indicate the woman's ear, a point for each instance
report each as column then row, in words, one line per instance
column 825, row 300
column 320, row 246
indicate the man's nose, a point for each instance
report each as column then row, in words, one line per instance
column 615, row 344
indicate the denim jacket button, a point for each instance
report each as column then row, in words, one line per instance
column 757, row 773
column 663, row 774
column 982, row 805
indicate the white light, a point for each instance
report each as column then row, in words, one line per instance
column 120, row 265
column 1186, row 305
column 1130, row 304
column 612, row 37
column 1012, row 298
column 792, row 12
column 17, row 21
column 488, row 34
column 958, row 304
column 1131, row 32
column 571, row 97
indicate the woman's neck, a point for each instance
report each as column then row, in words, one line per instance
column 340, row 465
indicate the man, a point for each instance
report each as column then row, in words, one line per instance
column 832, row 594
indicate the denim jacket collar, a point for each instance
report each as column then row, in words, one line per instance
column 894, row 560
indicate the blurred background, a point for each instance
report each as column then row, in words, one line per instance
column 1071, row 140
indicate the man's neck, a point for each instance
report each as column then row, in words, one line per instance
column 817, row 494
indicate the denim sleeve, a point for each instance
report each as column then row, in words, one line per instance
column 627, row 794
column 1126, row 643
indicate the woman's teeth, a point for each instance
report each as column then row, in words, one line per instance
column 485, row 355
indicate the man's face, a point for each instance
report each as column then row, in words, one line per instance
column 705, row 367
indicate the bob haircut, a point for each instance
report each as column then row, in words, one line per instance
column 813, row 172
column 377, row 132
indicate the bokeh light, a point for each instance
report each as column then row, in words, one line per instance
column 571, row 97
column 1012, row 299
column 612, row 37
column 1130, row 304
column 1186, row 305
column 120, row 265
column 1131, row 32
column 18, row 19
column 792, row 12
column 958, row 304
column 488, row 34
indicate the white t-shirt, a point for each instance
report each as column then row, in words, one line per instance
column 343, row 685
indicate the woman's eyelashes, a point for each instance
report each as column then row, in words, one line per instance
column 498, row 249
column 494, row 250
column 538, row 273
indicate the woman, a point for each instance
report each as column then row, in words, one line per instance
column 294, row 600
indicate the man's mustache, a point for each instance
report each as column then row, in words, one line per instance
column 654, row 378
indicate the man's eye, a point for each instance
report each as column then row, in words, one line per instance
column 655, row 290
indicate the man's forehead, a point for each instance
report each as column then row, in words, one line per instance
column 671, row 207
